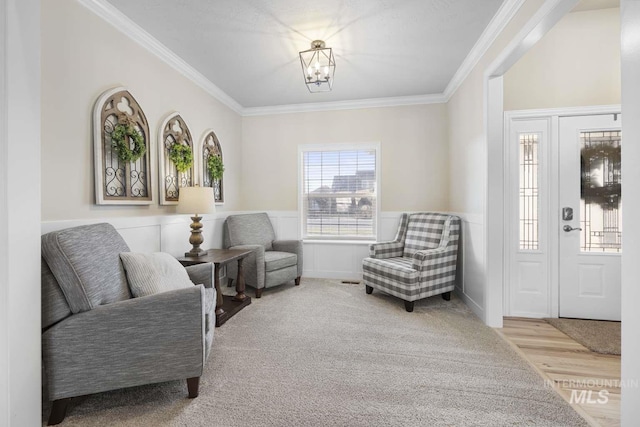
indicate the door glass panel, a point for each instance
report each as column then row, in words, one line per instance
column 600, row 192
column 528, row 191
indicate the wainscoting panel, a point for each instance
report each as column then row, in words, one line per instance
column 334, row 260
column 174, row 237
column 389, row 222
column 143, row 238
column 285, row 224
column 339, row 260
column 471, row 266
column 169, row 233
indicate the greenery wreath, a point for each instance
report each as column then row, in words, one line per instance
column 120, row 138
column 216, row 168
column 181, row 156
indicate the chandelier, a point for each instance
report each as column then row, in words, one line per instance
column 318, row 67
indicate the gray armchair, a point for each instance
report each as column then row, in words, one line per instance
column 273, row 262
column 420, row 262
column 96, row 337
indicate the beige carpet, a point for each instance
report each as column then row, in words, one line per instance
column 597, row 335
column 327, row 354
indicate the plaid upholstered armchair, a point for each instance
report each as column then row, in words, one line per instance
column 419, row 263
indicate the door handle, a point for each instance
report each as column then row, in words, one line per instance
column 568, row 228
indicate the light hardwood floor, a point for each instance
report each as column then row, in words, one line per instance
column 570, row 368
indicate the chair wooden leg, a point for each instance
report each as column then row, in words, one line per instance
column 408, row 305
column 368, row 289
column 192, row 386
column 58, row 411
column 446, row 296
column 298, row 281
column 259, row 292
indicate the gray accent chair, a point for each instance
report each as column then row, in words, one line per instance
column 420, row 262
column 96, row 337
column 273, row 262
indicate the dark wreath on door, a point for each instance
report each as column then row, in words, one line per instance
column 211, row 147
column 121, row 150
column 173, row 130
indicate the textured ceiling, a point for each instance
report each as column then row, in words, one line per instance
column 383, row 48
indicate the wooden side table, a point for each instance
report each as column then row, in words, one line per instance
column 226, row 306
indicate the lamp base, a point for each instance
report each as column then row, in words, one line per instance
column 196, row 238
column 195, row 253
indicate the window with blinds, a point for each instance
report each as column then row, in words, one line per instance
column 339, row 193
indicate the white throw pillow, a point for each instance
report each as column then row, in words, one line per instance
column 153, row 273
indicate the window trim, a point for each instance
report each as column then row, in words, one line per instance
column 302, row 148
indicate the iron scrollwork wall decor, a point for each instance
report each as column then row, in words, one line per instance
column 118, row 116
column 211, row 147
column 173, row 130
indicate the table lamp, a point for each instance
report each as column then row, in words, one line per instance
column 196, row 201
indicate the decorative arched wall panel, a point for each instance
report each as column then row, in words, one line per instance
column 118, row 181
column 173, row 130
column 211, row 147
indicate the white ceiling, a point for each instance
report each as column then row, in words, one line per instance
column 383, row 48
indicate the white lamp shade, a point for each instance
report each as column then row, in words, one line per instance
column 196, row 200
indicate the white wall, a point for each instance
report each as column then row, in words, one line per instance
column 630, row 14
column 82, row 56
column 20, row 403
column 471, row 261
column 577, row 63
column 332, row 259
column 414, row 154
column 468, row 157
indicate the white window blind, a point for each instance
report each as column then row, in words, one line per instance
column 339, row 193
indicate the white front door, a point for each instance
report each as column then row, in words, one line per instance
column 590, row 223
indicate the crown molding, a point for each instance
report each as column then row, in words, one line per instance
column 345, row 105
column 498, row 23
column 121, row 22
